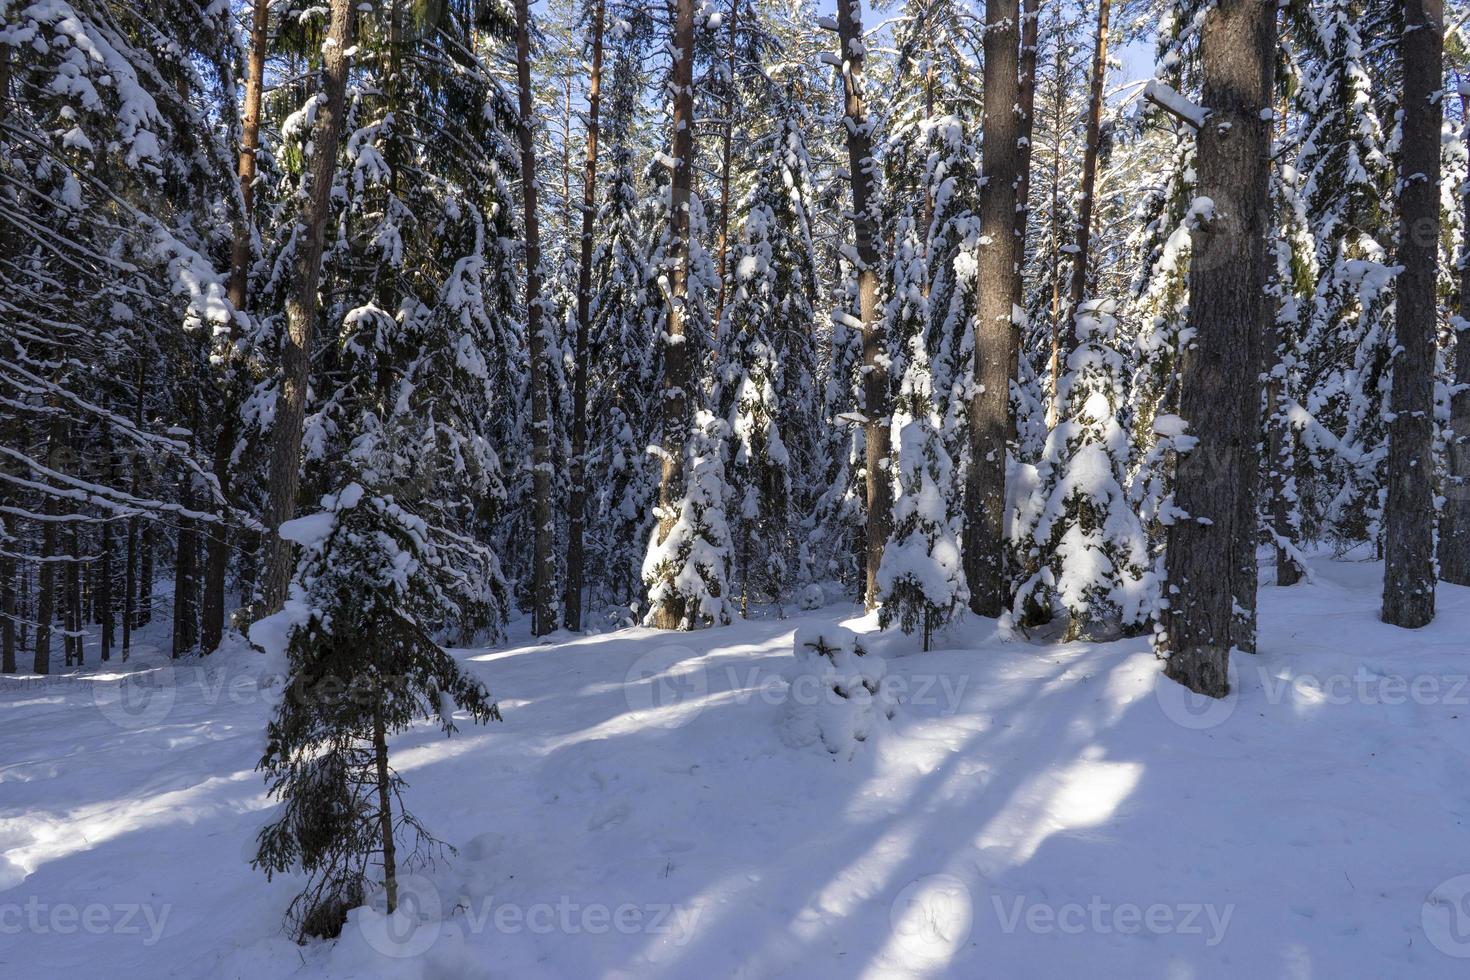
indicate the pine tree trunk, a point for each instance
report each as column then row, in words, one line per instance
column 577, row 507
column 544, row 561
column 46, row 588
column 985, row 490
column 1408, row 575
column 105, row 566
column 9, row 612
column 212, row 621
column 1082, row 259
column 1220, row 369
column 385, row 811
column 1055, row 270
column 301, row 308
column 72, row 618
column 1454, row 525
column 861, row 167
column 1280, row 456
column 677, row 367
column 1030, row 31
column 728, row 138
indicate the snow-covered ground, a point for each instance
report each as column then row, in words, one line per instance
column 650, row 807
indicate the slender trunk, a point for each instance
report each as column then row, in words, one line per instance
column 1083, row 257
column 72, row 618
column 677, row 366
column 46, row 590
column 1454, row 525
column 146, row 569
column 104, row 567
column 544, row 561
column 1220, row 394
column 861, row 167
column 577, row 508
column 1408, row 575
column 1055, row 362
column 728, row 137
column 1030, row 31
column 984, row 551
column 218, row 546
column 301, row 306
column 8, row 611
column 1282, row 437
column 385, row 811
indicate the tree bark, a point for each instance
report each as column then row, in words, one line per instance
column 985, row 489
column 728, row 137
column 543, row 585
column 385, row 810
column 1083, row 257
column 218, row 541
column 676, row 349
column 1408, row 574
column 1030, row 32
column 577, row 508
column 1454, row 525
column 1220, row 368
column 861, row 167
column 301, row 308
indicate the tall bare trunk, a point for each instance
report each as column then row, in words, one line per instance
column 1220, row 394
column 218, row 537
column 1030, row 31
column 577, row 508
column 677, row 367
column 985, row 489
column 301, row 306
column 385, row 810
column 1408, row 575
column 1082, row 258
column 728, row 139
column 861, row 167
column 543, row 584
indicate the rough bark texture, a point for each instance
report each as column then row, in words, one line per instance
column 217, row 546
column 1220, row 369
column 301, row 308
column 676, row 351
column 862, row 167
column 726, row 152
column 985, row 489
column 1030, row 31
column 385, row 812
column 577, row 506
column 1082, row 260
column 1408, row 574
column 1454, row 524
column 543, row 571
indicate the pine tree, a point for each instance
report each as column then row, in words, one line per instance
column 1090, row 550
column 362, row 668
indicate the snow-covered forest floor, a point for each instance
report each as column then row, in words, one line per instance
column 648, row 808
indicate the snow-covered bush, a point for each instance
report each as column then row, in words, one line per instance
column 837, row 694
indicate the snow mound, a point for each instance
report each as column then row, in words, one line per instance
column 837, row 694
